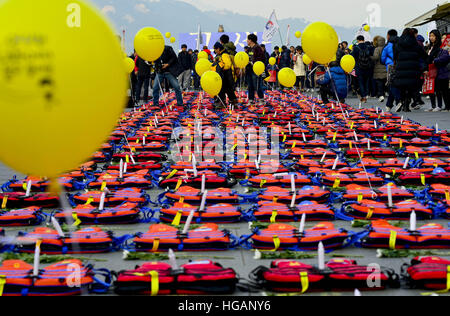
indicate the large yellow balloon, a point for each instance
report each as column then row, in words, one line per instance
column 258, row 68
column 287, row 77
column 202, row 66
column 203, row 55
column 129, row 65
column 149, row 44
column 272, row 61
column 241, row 60
column 320, row 42
column 211, row 82
column 306, row 59
column 348, row 63
column 67, row 88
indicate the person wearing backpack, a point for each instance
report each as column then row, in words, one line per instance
column 223, row 65
column 363, row 66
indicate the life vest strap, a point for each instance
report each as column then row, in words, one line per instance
column 304, row 281
column 2, row 284
column 392, row 239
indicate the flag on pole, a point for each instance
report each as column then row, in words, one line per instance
column 271, row 28
column 288, row 42
column 199, row 39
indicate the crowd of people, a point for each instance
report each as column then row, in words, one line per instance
column 392, row 69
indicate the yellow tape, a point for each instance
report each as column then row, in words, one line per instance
column 350, row 144
column 174, row 171
column 103, row 187
column 334, row 136
column 385, row 137
column 422, row 179
column 360, row 197
column 273, row 218
column 304, row 280
column 294, row 144
column 276, row 242
column 89, row 201
column 392, row 239
column 393, row 171
column 177, row 219
column 263, row 181
column 127, row 159
column 447, row 197
column 417, row 155
column 234, row 146
column 76, row 219
column 24, row 186
column 284, row 138
column 155, row 283
column 4, row 201
column 2, row 284
column 181, row 199
column 369, row 213
column 180, row 181
column 401, row 143
column 155, row 244
column 337, row 183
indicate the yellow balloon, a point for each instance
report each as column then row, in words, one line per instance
column 241, row 60
column 168, row 35
column 272, row 61
column 348, row 63
column 149, row 44
column 211, row 82
column 129, row 65
column 306, row 59
column 320, row 42
column 366, row 28
column 60, row 103
column 298, row 34
column 203, row 55
column 287, row 77
column 258, row 68
column 202, row 66
column 173, row 40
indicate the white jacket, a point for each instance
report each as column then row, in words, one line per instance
column 299, row 66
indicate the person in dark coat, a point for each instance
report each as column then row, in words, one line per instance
column 143, row 79
column 334, row 83
column 285, row 59
column 255, row 83
column 440, row 59
column 407, row 57
column 185, row 61
column 167, row 68
column 363, row 66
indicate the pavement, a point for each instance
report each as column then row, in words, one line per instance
column 242, row 260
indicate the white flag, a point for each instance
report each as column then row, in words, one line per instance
column 199, row 39
column 288, row 41
column 271, row 28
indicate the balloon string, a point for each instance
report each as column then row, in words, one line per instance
column 346, row 120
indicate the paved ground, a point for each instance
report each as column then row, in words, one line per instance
column 242, row 260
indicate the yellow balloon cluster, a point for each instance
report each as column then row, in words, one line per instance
column 320, row 42
column 287, row 77
column 211, row 82
column 241, row 60
column 149, row 44
column 56, row 117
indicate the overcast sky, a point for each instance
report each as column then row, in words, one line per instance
column 394, row 13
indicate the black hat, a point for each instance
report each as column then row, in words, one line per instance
column 217, row 45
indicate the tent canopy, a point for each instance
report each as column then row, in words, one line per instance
column 438, row 13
